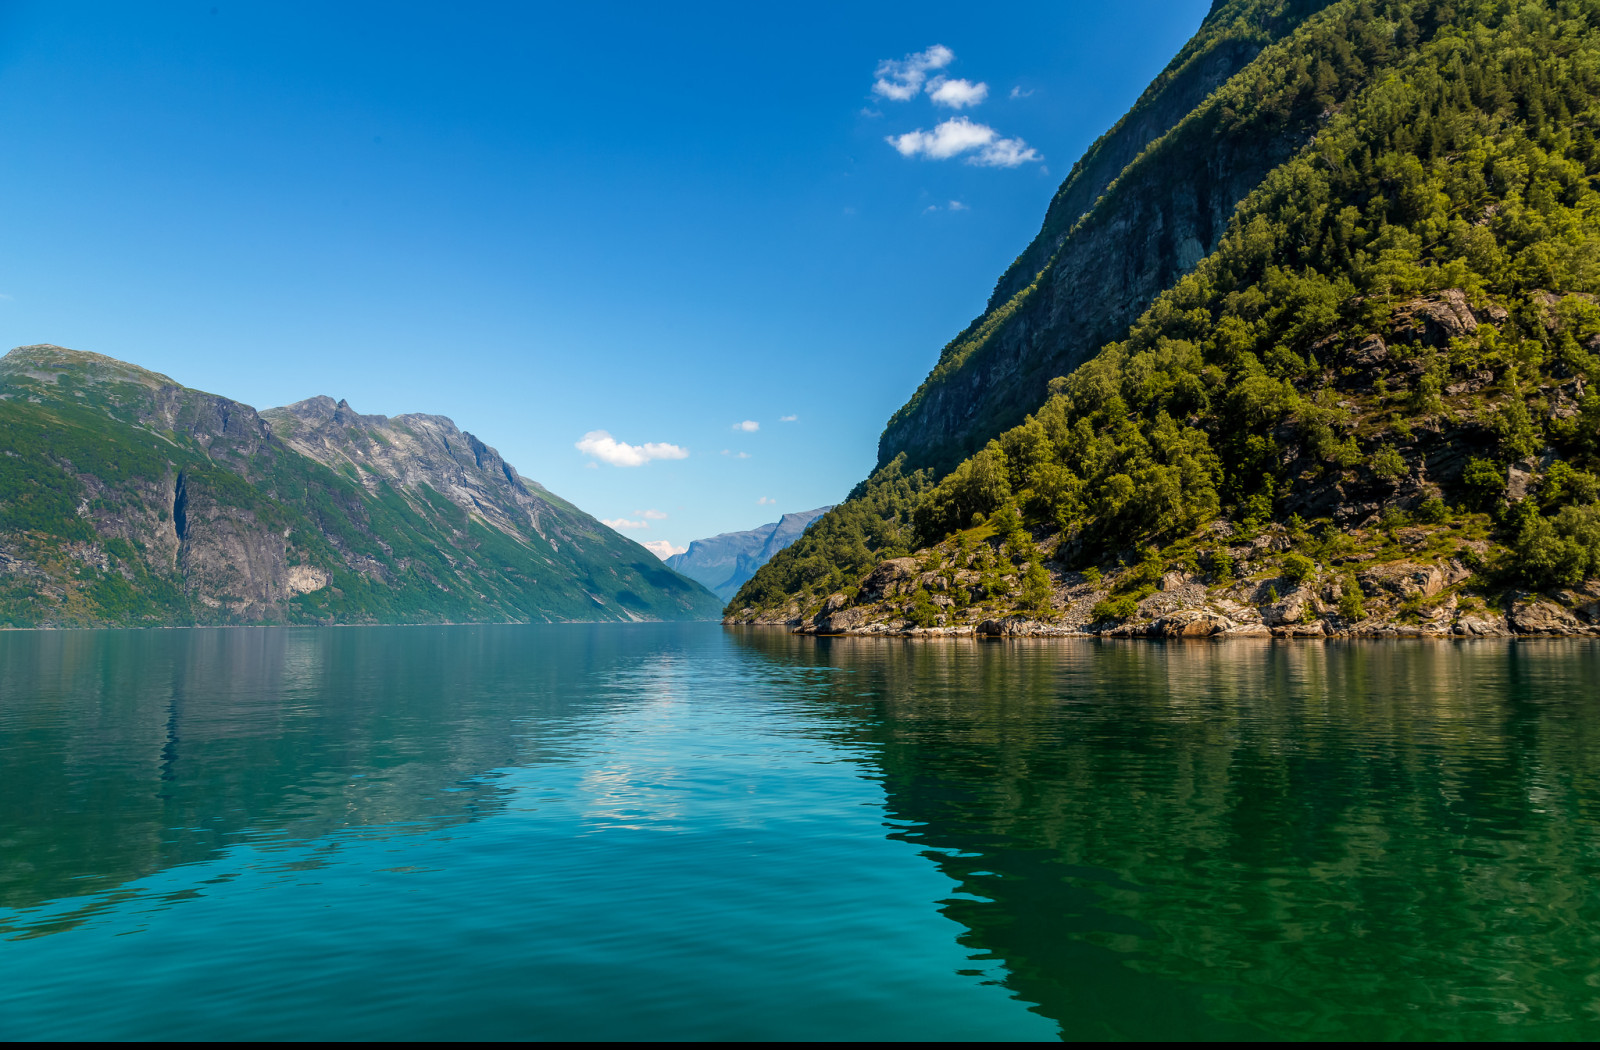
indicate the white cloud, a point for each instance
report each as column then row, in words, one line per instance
column 742, row 455
column 1017, row 92
column 902, row 80
column 958, row 206
column 765, row 501
column 623, row 523
column 1005, row 153
column 749, row 426
column 602, row 446
column 652, row 515
column 663, row 549
column 956, row 135
column 787, row 419
column 957, row 94
column 960, row 135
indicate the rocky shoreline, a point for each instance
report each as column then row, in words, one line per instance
column 1402, row 600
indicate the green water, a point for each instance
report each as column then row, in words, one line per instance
column 682, row 832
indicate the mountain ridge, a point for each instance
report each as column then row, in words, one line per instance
column 129, row 499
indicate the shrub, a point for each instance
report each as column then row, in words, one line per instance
column 1433, row 511
column 1115, row 608
column 1352, row 604
column 1222, row 566
column 1485, row 483
column 1388, row 463
column 1298, row 567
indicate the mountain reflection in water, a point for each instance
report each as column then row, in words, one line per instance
column 677, row 831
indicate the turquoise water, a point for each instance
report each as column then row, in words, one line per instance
column 683, row 832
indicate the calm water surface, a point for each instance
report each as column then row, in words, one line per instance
column 681, row 832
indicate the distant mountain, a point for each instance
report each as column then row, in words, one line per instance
column 724, row 562
column 129, row 499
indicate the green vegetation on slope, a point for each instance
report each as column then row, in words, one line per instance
column 126, row 499
column 1460, row 184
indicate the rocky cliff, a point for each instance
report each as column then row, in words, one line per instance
column 127, row 498
column 1144, row 205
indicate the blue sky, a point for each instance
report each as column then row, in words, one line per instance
column 731, row 237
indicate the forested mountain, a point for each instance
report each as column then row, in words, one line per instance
column 128, row 499
column 1315, row 359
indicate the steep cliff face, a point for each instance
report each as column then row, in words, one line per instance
column 724, row 562
column 1147, row 202
column 127, row 498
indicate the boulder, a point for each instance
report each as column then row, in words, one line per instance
column 840, row 621
column 889, row 579
column 1481, row 627
column 1191, row 623
column 1531, row 614
column 1436, row 319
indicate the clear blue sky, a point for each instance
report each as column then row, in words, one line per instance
column 657, row 221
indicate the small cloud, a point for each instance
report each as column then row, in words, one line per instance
column 957, row 94
column 4, row 297
column 727, row 452
column 902, row 80
column 591, row 465
column 787, row 419
column 1005, row 153
column 652, row 515
column 602, row 446
column 931, row 207
column 960, row 135
column 870, row 113
column 766, row 501
column 958, row 206
column 623, row 523
column 749, row 426
column 663, row 549
column 1017, row 92
column 742, row 455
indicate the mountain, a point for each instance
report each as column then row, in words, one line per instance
column 723, row 563
column 1305, row 345
column 129, row 499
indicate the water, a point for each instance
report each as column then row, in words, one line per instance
column 681, row 832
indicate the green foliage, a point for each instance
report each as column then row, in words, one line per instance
column 1222, row 567
column 1388, row 463
column 1433, row 511
column 1036, row 588
column 1484, row 483
column 1298, row 568
column 1559, row 551
column 1272, row 595
column 923, row 612
column 1352, row 603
